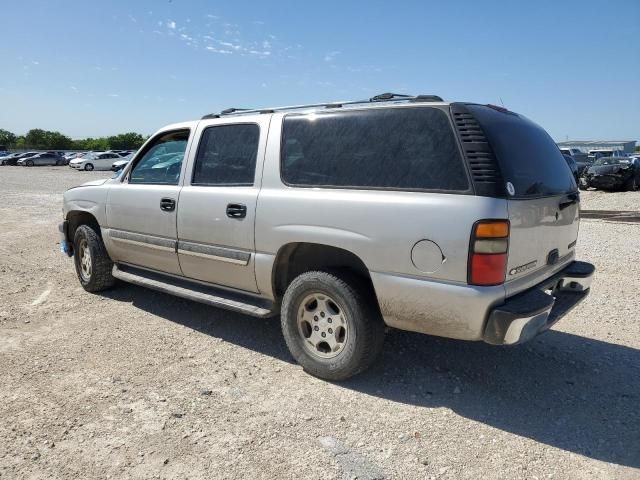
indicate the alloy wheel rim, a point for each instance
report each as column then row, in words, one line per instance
column 85, row 261
column 322, row 325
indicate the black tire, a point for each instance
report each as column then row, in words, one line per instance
column 88, row 167
column 29, row 163
column 59, row 162
column 99, row 278
column 365, row 327
column 631, row 185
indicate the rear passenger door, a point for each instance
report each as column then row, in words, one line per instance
column 216, row 212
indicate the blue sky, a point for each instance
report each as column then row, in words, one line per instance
column 93, row 68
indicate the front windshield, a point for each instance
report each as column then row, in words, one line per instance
column 611, row 161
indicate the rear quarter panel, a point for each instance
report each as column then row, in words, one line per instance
column 381, row 227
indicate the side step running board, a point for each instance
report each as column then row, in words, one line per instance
column 216, row 297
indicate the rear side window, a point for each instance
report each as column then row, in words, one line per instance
column 227, row 155
column 396, row 148
column 528, row 157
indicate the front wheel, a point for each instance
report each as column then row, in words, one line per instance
column 88, row 167
column 93, row 264
column 632, row 184
column 29, row 163
column 331, row 324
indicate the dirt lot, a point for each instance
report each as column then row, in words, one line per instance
column 136, row 384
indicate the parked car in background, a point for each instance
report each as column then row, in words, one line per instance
column 118, row 165
column 10, row 159
column 572, row 166
column 583, row 165
column 94, row 161
column 600, row 152
column 46, row 158
column 22, row 156
column 613, row 173
column 577, row 154
column 71, row 156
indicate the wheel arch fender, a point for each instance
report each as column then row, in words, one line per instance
column 295, row 258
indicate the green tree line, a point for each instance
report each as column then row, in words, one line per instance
column 38, row 139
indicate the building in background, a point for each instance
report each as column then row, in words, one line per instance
column 624, row 146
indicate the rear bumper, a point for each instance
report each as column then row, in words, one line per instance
column 529, row 313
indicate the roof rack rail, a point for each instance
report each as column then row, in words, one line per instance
column 427, row 98
column 383, row 97
column 232, row 110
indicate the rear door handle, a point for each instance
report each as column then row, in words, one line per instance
column 167, row 204
column 236, row 210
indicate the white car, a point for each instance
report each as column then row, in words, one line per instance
column 121, row 163
column 94, row 161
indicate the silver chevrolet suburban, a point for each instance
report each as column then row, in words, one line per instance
column 450, row 219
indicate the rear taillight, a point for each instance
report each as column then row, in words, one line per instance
column 488, row 252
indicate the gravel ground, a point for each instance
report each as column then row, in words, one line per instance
column 136, row 384
column 604, row 200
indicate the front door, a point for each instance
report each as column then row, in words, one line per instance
column 141, row 209
column 218, row 202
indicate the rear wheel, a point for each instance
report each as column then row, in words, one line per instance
column 29, row 163
column 88, row 167
column 331, row 324
column 59, row 162
column 93, row 264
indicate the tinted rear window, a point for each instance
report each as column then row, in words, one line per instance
column 402, row 148
column 527, row 155
column 227, row 155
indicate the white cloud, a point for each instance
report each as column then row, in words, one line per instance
column 74, row 88
column 218, row 50
column 35, row 62
column 266, row 45
column 114, row 95
column 213, row 17
column 235, row 46
column 330, row 56
column 171, row 24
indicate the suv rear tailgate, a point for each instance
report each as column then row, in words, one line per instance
column 542, row 240
column 542, row 196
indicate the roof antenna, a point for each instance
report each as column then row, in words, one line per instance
column 501, row 102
